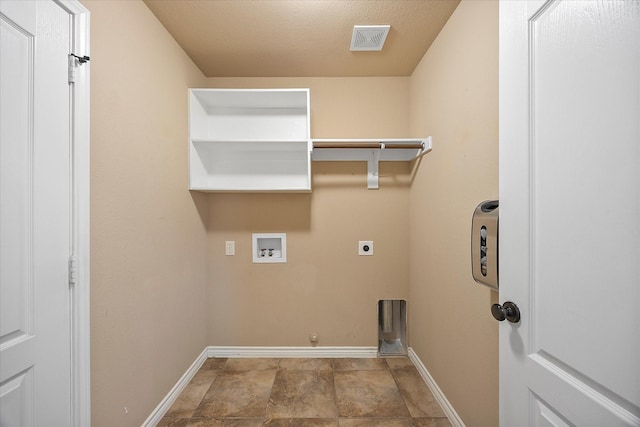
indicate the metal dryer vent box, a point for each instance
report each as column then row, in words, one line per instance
column 484, row 244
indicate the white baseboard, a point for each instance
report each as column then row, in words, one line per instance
column 173, row 394
column 451, row 413
column 287, row 352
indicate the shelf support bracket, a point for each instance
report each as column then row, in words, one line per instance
column 372, row 170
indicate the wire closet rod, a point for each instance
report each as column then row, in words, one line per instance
column 370, row 145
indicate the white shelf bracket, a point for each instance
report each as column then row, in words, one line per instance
column 372, row 170
column 372, row 151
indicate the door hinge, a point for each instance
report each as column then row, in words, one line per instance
column 73, row 271
column 74, row 62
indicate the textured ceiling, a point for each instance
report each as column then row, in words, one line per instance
column 301, row 38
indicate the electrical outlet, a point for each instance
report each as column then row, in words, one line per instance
column 365, row 247
column 230, row 247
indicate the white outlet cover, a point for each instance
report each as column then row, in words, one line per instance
column 365, row 247
column 230, row 247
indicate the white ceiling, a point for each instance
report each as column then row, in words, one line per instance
column 301, row 38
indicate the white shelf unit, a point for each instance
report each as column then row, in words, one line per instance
column 249, row 140
column 372, row 151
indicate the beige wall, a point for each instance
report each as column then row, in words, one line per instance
column 324, row 287
column 454, row 97
column 162, row 288
column 148, row 241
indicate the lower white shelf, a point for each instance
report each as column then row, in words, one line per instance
column 250, row 166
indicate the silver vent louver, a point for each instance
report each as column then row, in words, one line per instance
column 369, row 37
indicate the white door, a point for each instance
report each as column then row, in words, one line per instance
column 570, row 212
column 35, row 346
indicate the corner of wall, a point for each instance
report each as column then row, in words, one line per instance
column 454, row 98
column 148, row 235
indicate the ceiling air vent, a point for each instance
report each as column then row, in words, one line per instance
column 369, row 37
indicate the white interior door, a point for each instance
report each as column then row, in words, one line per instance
column 35, row 186
column 570, row 212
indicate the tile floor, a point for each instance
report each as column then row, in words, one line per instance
column 306, row 392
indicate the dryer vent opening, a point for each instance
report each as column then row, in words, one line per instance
column 392, row 328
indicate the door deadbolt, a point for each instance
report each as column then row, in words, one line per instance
column 508, row 311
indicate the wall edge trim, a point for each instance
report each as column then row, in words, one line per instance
column 448, row 409
column 164, row 405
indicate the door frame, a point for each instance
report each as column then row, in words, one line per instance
column 514, row 200
column 80, row 222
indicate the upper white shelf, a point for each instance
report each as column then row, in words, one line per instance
column 372, row 151
column 249, row 140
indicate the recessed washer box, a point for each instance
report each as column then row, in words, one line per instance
column 269, row 248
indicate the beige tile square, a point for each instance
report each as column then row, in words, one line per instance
column 430, row 422
column 302, row 422
column 192, row 395
column 305, row 364
column 416, row 394
column 214, row 363
column 399, row 363
column 173, row 422
column 375, row 422
column 225, row 422
column 360, row 364
column 302, row 394
column 368, row 394
column 251, row 364
column 240, row 394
